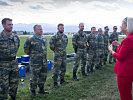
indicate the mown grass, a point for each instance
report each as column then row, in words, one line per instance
column 100, row 85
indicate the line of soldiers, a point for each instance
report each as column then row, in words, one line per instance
column 90, row 48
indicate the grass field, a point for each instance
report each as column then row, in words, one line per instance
column 100, row 85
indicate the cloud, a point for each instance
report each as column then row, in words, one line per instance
column 4, row 3
column 130, row 1
column 37, row 7
column 17, row 1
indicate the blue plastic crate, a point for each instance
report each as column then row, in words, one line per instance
column 25, row 58
column 21, row 70
column 19, row 59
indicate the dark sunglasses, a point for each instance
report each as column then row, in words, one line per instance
column 107, row 29
column 115, row 28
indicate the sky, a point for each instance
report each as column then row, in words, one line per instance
column 69, row 12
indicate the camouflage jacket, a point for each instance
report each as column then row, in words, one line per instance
column 8, row 45
column 92, row 41
column 36, row 48
column 106, row 38
column 113, row 37
column 100, row 42
column 59, row 43
column 79, row 39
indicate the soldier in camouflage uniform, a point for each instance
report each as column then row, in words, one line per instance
column 58, row 44
column 79, row 41
column 100, row 47
column 106, row 39
column 92, row 51
column 9, row 71
column 113, row 37
column 36, row 47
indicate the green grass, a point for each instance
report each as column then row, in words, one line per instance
column 100, row 85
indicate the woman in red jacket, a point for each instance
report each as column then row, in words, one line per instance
column 124, row 55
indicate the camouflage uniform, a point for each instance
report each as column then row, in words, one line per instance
column 101, row 49
column 9, row 71
column 92, row 52
column 113, row 37
column 37, row 49
column 80, row 40
column 59, row 43
column 106, row 38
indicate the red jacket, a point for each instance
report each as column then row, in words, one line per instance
column 124, row 56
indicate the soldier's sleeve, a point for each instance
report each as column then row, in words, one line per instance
column 27, row 45
column 74, row 40
column 52, row 43
column 66, row 41
column 18, row 40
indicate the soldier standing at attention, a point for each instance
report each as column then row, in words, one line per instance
column 113, row 37
column 58, row 44
column 9, row 71
column 100, row 48
column 79, row 41
column 106, row 39
column 92, row 50
column 36, row 47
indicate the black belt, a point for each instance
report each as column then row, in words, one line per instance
column 8, row 59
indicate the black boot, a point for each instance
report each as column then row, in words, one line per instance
column 75, row 77
column 83, row 73
column 88, row 69
column 91, row 68
column 56, row 85
column 33, row 93
column 62, row 81
column 13, row 98
column 41, row 91
column 110, row 62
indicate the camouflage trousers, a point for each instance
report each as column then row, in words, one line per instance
column 9, row 78
column 101, row 56
column 105, row 53
column 59, row 67
column 80, row 55
column 111, row 56
column 92, row 58
column 38, row 74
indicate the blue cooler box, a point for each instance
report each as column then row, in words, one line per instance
column 49, row 65
column 19, row 60
column 25, row 58
column 21, row 70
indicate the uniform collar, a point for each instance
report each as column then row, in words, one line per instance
column 5, row 35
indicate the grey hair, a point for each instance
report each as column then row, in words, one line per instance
column 35, row 26
column 128, row 21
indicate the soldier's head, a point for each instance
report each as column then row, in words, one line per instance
column 93, row 29
column 38, row 30
column 81, row 26
column 100, row 31
column 60, row 28
column 7, row 24
column 115, row 28
column 106, row 28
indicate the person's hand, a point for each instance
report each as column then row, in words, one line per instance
column 110, row 48
column 115, row 43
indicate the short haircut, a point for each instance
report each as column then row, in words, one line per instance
column 99, row 29
column 35, row 26
column 106, row 27
column 60, row 24
column 81, row 23
column 92, row 27
column 4, row 20
column 114, row 27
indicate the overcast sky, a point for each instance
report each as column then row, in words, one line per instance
column 69, row 12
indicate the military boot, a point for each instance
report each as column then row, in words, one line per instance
column 33, row 93
column 62, row 81
column 56, row 85
column 75, row 77
column 91, row 68
column 83, row 71
column 41, row 91
column 13, row 98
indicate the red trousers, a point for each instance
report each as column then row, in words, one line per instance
column 125, row 87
